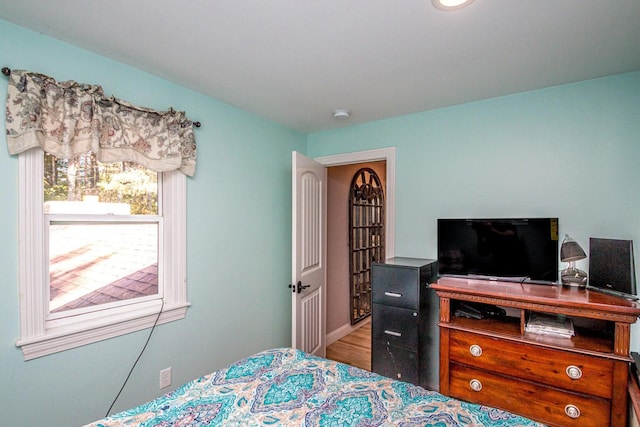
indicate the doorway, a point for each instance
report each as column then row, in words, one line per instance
column 338, row 319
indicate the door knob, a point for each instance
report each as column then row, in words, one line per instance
column 299, row 287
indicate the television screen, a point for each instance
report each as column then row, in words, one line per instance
column 499, row 249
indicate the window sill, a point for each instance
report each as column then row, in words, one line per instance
column 58, row 339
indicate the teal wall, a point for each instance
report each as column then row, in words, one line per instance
column 570, row 151
column 238, row 249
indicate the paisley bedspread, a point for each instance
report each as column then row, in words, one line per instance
column 287, row 387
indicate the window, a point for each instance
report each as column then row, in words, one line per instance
column 97, row 260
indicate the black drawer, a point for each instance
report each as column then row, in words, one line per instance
column 397, row 326
column 397, row 286
column 394, row 362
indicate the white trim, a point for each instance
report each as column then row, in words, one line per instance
column 31, row 252
column 38, row 337
column 174, row 248
column 389, row 155
column 103, row 218
column 43, row 346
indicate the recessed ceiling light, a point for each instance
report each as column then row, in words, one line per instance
column 451, row 4
column 341, row 114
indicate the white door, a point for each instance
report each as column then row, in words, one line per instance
column 309, row 197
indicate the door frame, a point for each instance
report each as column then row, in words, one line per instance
column 389, row 156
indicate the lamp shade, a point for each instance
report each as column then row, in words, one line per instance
column 571, row 250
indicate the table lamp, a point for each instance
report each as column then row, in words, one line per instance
column 571, row 251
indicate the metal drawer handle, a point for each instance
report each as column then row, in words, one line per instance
column 476, row 350
column 393, row 333
column 572, row 411
column 475, row 385
column 574, row 372
column 393, row 294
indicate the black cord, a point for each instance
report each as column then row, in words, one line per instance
column 139, row 356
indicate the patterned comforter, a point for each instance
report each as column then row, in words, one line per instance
column 287, row 387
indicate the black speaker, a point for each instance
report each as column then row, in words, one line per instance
column 611, row 265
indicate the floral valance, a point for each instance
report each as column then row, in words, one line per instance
column 69, row 118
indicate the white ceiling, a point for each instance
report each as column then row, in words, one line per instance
column 295, row 61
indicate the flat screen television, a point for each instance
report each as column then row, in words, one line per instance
column 523, row 249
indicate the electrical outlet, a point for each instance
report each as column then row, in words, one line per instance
column 165, row 378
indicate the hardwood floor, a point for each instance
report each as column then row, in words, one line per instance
column 353, row 349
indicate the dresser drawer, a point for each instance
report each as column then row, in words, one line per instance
column 394, row 362
column 395, row 286
column 567, row 370
column 396, row 326
column 545, row 404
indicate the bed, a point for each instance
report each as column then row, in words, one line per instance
column 287, row 387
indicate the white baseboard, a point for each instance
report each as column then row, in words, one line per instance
column 345, row 330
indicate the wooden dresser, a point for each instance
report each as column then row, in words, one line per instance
column 577, row 381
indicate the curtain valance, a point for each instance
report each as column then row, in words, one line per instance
column 70, row 118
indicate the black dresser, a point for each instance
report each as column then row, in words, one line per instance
column 404, row 327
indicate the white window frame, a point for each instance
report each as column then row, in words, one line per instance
column 40, row 336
